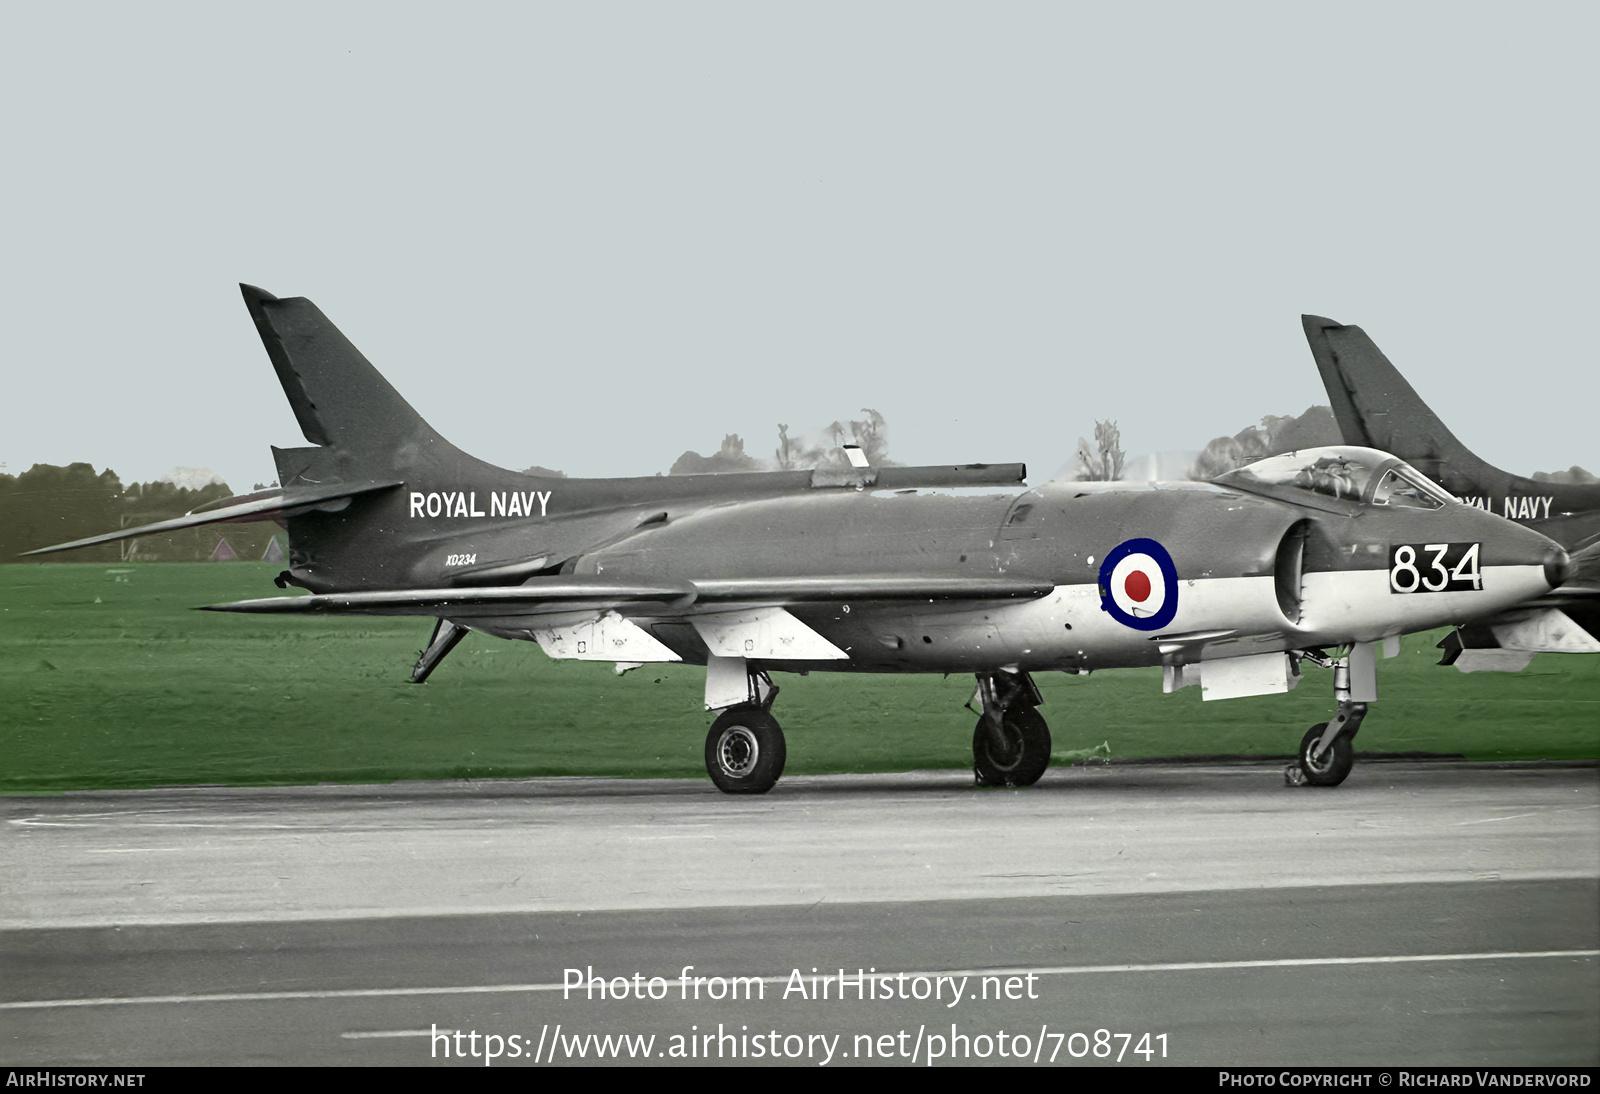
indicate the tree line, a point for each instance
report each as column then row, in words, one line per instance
column 818, row 448
column 48, row 504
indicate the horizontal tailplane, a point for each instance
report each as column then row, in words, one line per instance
column 263, row 506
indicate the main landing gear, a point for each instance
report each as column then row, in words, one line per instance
column 1327, row 751
column 745, row 750
column 1011, row 742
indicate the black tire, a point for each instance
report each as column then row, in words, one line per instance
column 1336, row 762
column 1021, row 759
column 745, row 752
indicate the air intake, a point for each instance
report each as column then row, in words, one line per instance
column 1288, row 569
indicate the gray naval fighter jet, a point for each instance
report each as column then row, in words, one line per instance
column 1376, row 407
column 1321, row 555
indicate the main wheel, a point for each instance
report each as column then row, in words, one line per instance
column 1019, row 757
column 745, row 751
column 1335, row 763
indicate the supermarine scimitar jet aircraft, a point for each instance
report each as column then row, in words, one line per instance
column 1320, row 555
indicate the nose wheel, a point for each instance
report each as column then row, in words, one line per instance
column 1330, row 767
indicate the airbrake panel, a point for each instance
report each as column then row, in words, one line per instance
column 608, row 638
column 764, row 634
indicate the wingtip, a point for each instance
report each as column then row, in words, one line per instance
column 56, row 548
column 239, row 605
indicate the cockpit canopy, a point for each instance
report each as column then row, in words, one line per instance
column 1343, row 472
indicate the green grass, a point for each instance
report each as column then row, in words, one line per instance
column 109, row 679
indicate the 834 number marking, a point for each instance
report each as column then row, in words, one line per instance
column 1434, row 568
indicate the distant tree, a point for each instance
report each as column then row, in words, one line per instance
column 872, row 434
column 836, row 435
column 1224, row 454
column 1277, row 433
column 1313, row 429
column 544, row 472
column 825, row 447
column 1572, row 474
column 149, row 502
column 730, row 457
column 814, row 450
column 785, row 454
column 821, row 448
column 48, row 504
column 1104, row 463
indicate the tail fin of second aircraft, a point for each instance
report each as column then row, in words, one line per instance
column 1376, row 407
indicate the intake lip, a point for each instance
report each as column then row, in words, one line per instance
column 1558, row 567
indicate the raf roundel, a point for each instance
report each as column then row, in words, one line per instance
column 1139, row 585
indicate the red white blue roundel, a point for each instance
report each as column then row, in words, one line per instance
column 1139, row 585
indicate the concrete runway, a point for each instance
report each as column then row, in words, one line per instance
column 1422, row 913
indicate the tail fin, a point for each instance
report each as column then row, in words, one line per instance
column 365, row 441
column 1376, row 408
column 338, row 398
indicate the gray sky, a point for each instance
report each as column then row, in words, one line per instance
column 590, row 236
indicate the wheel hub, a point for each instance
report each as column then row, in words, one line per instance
column 738, row 751
column 1317, row 763
column 1005, row 746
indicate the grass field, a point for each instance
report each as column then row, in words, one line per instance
column 109, row 679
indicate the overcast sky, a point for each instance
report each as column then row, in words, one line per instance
column 591, row 236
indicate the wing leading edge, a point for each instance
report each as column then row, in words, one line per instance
column 548, row 595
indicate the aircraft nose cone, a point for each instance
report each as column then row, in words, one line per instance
column 1558, row 567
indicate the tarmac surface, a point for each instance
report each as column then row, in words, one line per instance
column 1423, row 913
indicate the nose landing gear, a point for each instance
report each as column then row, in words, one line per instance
column 1011, row 742
column 1319, row 764
column 1327, row 751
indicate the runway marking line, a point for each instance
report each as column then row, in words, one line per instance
column 517, row 989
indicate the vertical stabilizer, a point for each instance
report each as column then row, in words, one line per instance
column 338, row 398
column 367, row 444
column 1376, row 408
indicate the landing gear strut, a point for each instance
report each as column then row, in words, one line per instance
column 745, row 750
column 1011, row 742
column 1327, row 751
